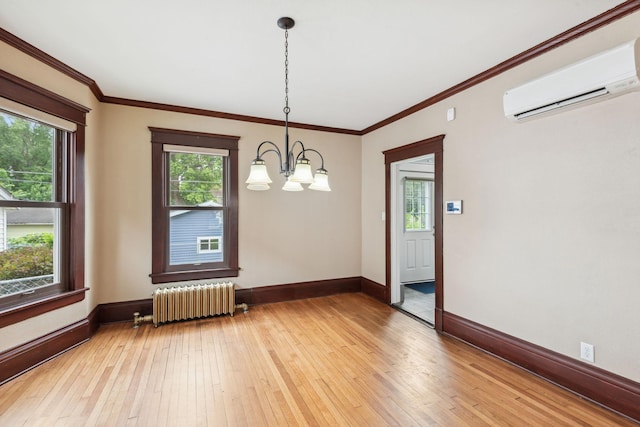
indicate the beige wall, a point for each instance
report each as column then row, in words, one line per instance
column 283, row 237
column 548, row 245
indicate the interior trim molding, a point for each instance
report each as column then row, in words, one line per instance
column 123, row 311
column 22, row 358
column 92, row 318
column 222, row 115
column 49, row 60
column 373, row 289
column 598, row 385
column 579, row 30
column 294, row 291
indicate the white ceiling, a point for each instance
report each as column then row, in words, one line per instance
column 352, row 63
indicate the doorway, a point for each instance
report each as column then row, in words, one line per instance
column 413, row 204
column 414, row 226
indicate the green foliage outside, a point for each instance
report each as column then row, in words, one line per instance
column 34, row 239
column 195, row 179
column 28, row 256
column 27, row 261
column 26, row 158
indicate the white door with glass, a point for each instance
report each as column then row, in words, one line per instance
column 416, row 243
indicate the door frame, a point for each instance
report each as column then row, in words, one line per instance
column 424, row 147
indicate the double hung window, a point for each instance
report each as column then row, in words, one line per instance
column 41, row 200
column 195, row 207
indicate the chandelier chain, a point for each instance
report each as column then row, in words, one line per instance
column 286, row 72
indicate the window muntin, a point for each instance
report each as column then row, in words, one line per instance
column 418, row 205
column 33, row 210
column 194, row 195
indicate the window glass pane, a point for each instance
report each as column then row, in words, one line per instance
column 195, row 236
column 29, row 249
column 418, row 205
column 195, row 179
column 26, row 159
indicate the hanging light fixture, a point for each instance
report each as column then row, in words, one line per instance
column 294, row 164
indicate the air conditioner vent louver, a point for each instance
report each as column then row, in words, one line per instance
column 598, row 77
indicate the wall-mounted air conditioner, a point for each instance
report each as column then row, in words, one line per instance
column 598, row 77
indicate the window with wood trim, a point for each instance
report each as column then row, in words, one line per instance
column 194, row 205
column 41, row 200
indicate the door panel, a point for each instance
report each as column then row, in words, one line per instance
column 410, row 256
column 416, row 234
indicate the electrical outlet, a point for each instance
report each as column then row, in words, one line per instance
column 587, row 352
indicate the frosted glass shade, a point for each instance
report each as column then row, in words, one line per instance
column 320, row 181
column 258, row 174
column 258, row 187
column 303, row 172
column 291, row 185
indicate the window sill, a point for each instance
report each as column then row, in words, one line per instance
column 35, row 308
column 179, row 276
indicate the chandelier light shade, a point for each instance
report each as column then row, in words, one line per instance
column 291, row 185
column 293, row 162
column 320, row 181
column 258, row 177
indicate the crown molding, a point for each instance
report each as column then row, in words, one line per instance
column 579, row 30
column 605, row 18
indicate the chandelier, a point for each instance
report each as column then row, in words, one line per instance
column 293, row 163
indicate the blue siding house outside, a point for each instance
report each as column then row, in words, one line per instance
column 195, row 236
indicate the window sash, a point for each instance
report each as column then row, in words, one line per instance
column 169, row 177
column 184, row 243
column 161, row 270
column 71, row 289
column 21, row 289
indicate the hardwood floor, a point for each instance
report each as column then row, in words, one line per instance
column 340, row 360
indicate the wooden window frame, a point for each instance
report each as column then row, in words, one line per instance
column 25, row 93
column 161, row 271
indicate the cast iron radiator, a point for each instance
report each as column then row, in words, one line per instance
column 191, row 302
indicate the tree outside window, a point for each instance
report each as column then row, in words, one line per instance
column 32, row 206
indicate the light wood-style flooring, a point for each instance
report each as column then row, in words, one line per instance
column 340, row 360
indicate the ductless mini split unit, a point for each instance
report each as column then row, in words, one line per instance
column 593, row 79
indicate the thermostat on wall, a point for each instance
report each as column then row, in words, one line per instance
column 454, row 207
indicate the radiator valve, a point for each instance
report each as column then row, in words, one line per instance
column 243, row 306
column 137, row 319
